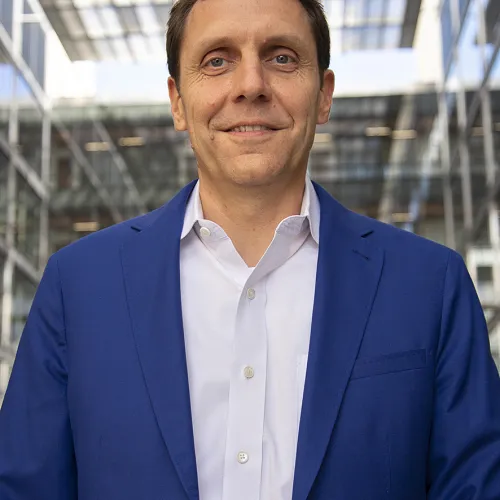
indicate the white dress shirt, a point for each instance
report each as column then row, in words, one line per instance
column 247, row 336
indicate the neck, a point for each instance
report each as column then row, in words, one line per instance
column 250, row 215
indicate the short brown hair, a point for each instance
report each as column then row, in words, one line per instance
column 180, row 12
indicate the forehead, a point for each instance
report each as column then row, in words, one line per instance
column 240, row 20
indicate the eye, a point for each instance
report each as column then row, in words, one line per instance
column 283, row 59
column 216, row 62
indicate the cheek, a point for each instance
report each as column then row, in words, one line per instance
column 205, row 109
column 300, row 105
column 306, row 113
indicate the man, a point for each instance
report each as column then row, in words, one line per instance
column 252, row 339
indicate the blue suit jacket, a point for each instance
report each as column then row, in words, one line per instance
column 402, row 398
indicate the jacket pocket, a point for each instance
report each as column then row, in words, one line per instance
column 389, row 363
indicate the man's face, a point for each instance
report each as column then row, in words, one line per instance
column 250, row 93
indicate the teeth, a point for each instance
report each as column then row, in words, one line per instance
column 249, row 128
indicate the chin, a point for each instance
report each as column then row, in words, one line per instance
column 255, row 172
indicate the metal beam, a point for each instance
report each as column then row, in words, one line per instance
column 465, row 167
column 446, row 168
column 21, row 262
column 122, row 167
column 409, row 23
column 7, row 354
column 457, row 28
column 429, row 159
column 8, row 267
column 494, row 320
column 40, row 15
column 491, row 194
column 82, row 161
column 24, row 168
column 404, row 121
column 44, row 209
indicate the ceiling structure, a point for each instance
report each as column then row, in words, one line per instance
column 134, row 30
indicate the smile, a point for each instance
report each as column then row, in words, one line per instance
column 251, row 128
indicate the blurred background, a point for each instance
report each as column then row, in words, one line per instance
column 86, row 134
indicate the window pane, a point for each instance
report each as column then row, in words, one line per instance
column 6, row 93
column 446, row 31
column 375, row 10
column 33, row 50
column 6, row 15
column 396, row 11
column 392, row 37
column 354, row 12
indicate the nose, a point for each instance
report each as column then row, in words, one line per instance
column 250, row 81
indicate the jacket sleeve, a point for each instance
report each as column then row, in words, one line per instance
column 36, row 448
column 464, row 453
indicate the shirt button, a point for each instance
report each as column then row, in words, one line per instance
column 242, row 457
column 251, row 293
column 249, row 372
column 205, row 232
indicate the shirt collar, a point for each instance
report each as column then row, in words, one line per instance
column 194, row 211
column 310, row 210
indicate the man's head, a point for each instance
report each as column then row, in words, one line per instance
column 260, row 63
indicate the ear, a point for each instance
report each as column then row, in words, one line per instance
column 177, row 106
column 325, row 97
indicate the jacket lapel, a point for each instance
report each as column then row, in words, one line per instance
column 349, row 269
column 152, row 280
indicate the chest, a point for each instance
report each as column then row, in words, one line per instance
column 264, row 317
column 247, row 338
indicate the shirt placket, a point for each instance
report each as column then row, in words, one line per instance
column 243, row 459
column 247, row 393
column 248, row 376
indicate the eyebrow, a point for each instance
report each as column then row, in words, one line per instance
column 288, row 39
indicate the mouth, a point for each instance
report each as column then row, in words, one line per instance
column 251, row 130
